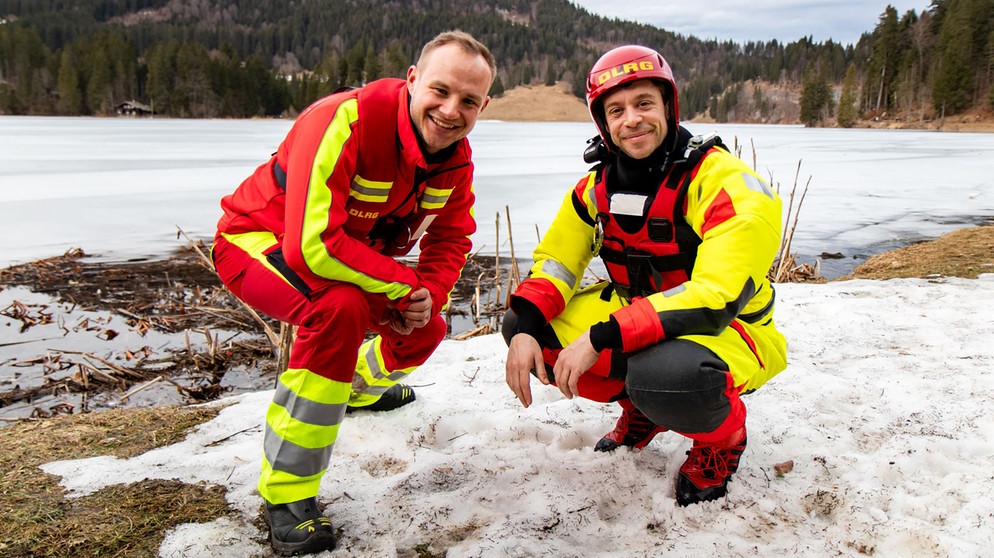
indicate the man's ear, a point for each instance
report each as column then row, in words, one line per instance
column 412, row 76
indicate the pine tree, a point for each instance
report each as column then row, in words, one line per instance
column 884, row 61
column 70, row 92
column 953, row 79
column 371, row 66
column 99, row 85
column 161, row 81
column 847, row 113
column 815, row 97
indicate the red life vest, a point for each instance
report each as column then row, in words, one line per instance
column 660, row 254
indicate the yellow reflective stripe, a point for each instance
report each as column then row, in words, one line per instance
column 319, row 196
column 282, row 487
column 318, row 207
column 372, row 378
column 370, row 190
column 315, row 388
column 472, row 208
column 307, row 410
column 334, row 269
column 255, row 244
column 435, row 198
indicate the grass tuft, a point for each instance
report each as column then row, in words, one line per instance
column 120, row 520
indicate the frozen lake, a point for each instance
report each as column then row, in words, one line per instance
column 119, row 188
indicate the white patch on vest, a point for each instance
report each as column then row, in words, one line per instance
column 628, row 204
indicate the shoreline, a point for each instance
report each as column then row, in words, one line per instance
column 555, row 103
column 167, row 329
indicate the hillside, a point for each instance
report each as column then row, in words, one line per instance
column 537, row 103
column 219, row 59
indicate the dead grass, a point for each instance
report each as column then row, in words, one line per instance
column 537, row 103
column 964, row 253
column 123, row 520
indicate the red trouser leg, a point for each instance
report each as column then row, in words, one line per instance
column 596, row 383
column 734, row 421
column 331, row 324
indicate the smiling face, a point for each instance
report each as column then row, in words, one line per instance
column 448, row 91
column 636, row 118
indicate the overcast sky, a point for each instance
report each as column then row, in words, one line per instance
column 843, row 21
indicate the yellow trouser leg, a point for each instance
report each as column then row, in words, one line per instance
column 301, row 427
column 372, row 378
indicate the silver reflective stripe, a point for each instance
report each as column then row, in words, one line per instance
column 305, row 410
column 375, row 390
column 363, row 388
column 372, row 363
column 675, row 290
column 360, row 189
column 290, row 458
column 428, row 198
column 757, row 185
column 559, row 271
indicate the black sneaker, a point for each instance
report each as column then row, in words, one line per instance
column 299, row 528
column 394, row 398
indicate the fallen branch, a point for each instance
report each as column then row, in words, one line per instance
column 140, row 388
column 274, row 340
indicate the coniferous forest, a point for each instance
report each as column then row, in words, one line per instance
column 248, row 58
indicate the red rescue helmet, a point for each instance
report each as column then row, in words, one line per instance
column 621, row 66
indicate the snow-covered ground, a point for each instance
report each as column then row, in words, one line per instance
column 884, row 411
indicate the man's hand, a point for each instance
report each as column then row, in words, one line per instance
column 418, row 312
column 392, row 316
column 572, row 363
column 524, row 355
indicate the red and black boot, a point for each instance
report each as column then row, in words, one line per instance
column 709, row 467
column 633, row 430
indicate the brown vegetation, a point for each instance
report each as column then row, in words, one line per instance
column 119, row 521
column 964, row 253
column 537, row 103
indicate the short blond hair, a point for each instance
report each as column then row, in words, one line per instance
column 466, row 42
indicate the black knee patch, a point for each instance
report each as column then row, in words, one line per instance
column 679, row 385
column 509, row 326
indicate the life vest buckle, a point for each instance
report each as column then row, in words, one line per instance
column 709, row 140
